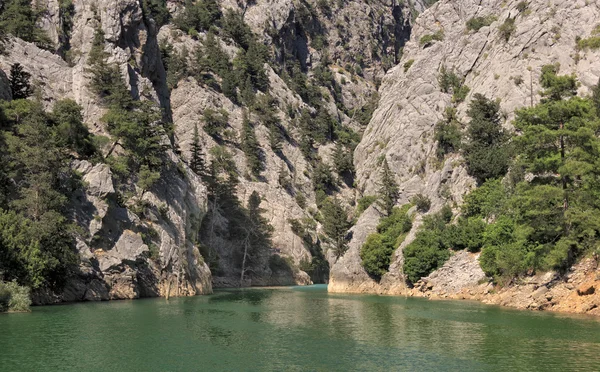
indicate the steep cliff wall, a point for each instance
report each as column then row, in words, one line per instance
column 401, row 130
column 117, row 240
column 136, row 243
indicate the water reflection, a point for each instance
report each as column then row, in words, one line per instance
column 295, row 330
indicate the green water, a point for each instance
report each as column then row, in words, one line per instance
column 295, row 329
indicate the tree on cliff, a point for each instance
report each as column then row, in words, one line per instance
column 486, row 150
column 19, row 82
column 197, row 163
column 336, row 225
column 388, row 190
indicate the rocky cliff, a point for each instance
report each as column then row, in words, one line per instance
column 118, row 237
column 498, row 66
column 136, row 243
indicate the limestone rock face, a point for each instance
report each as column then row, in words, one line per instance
column 460, row 272
column 147, row 246
column 411, row 103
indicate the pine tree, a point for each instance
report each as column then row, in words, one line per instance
column 19, row 82
column 215, row 122
column 197, row 163
column 19, row 18
column 342, row 160
column 336, row 225
column 388, row 191
column 251, row 147
column 486, row 150
column 555, row 132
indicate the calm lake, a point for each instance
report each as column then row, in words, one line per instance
column 295, row 329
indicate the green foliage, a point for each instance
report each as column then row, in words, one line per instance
column 198, row 16
column 422, row 202
column 596, row 98
column 377, row 251
column 19, row 82
column 36, row 242
column 364, row 203
column 335, row 225
column 408, row 64
column 429, row 250
column 451, row 83
column 13, row 297
column 265, row 108
column 466, row 234
column 18, row 18
column 342, row 160
column 487, row 201
column 507, row 28
column 522, row 6
column 175, row 63
column 592, row 42
column 157, row 10
column 477, row 23
column 557, row 87
column 197, row 163
column 66, row 12
column 388, row 191
column 486, row 150
column 447, row 133
column 322, row 178
column 427, row 40
column 215, row 122
column 135, row 125
column 364, row 115
column 550, row 219
column 236, row 29
column 251, row 148
column 70, row 132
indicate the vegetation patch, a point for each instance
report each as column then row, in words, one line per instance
column 427, row 40
column 376, row 253
column 477, row 23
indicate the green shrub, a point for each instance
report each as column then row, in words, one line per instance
column 507, row 28
column 522, row 6
column 476, row 23
column 376, row 253
column 466, row 234
column 460, row 94
column 422, row 202
column 592, row 42
column 198, row 16
column 427, row 40
column 430, row 249
column 408, row 64
column 425, row 254
column 485, row 201
column 447, row 134
column 215, row 122
column 450, row 82
column 19, row 18
column 13, row 297
column 364, row 203
column 157, row 10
